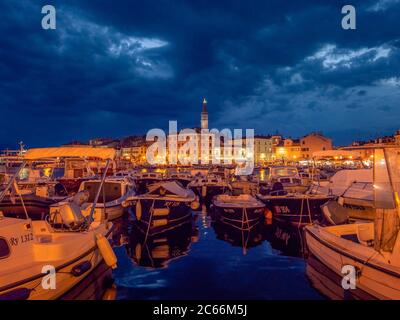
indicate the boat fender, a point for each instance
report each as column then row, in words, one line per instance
column 138, row 211
column 106, row 251
column 16, row 294
column 81, row 268
column 195, row 205
column 268, row 214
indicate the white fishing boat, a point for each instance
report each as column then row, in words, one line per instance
column 113, row 193
column 208, row 186
column 372, row 249
column 288, row 177
column 184, row 178
column 352, row 192
column 144, row 179
column 35, row 194
column 46, row 259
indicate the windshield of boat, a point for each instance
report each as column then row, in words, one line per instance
column 112, row 190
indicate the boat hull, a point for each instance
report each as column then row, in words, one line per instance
column 157, row 216
column 298, row 211
column 65, row 281
column 113, row 211
column 37, row 207
column 377, row 279
column 240, row 218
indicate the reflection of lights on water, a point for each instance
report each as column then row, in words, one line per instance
column 262, row 175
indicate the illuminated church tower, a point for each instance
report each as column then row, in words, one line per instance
column 204, row 115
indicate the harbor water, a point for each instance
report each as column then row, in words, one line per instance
column 204, row 259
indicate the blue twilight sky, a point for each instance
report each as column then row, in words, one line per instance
column 116, row 68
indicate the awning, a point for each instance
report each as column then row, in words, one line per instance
column 70, row 152
column 335, row 153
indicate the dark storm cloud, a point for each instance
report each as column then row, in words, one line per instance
column 114, row 68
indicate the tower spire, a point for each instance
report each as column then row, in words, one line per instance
column 204, row 115
column 204, row 105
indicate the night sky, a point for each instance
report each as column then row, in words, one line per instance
column 118, row 68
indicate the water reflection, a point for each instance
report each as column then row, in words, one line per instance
column 288, row 239
column 245, row 239
column 205, row 259
column 158, row 250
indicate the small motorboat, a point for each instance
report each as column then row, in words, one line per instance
column 144, row 179
column 115, row 192
column 208, row 186
column 370, row 251
column 354, row 193
column 296, row 209
column 184, row 178
column 35, row 199
column 289, row 177
column 243, row 211
column 166, row 205
column 45, row 259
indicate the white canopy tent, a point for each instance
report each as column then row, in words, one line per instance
column 70, row 152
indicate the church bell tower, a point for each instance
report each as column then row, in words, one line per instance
column 204, row 115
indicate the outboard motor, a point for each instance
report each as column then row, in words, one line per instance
column 69, row 216
column 81, row 197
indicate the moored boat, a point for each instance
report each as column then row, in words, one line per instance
column 166, row 205
column 45, row 259
column 208, row 186
column 184, row 178
column 296, row 209
column 371, row 250
column 242, row 211
column 144, row 179
column 288, row 177
column 113, row 193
